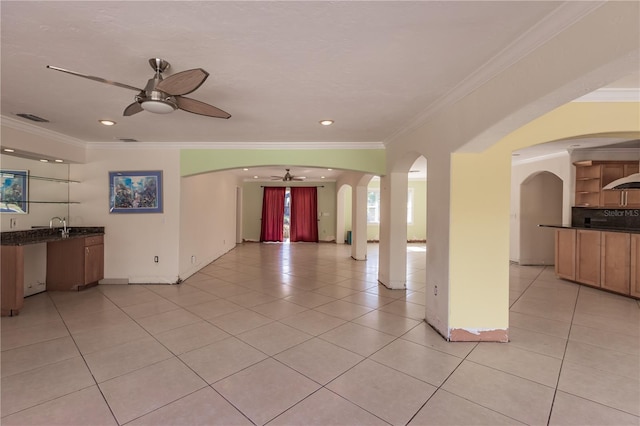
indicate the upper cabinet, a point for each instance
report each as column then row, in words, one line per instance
column 592, row 176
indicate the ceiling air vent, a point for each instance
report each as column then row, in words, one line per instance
column 33, row 118
column 127, row 140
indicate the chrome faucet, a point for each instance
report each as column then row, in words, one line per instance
column 63, row 221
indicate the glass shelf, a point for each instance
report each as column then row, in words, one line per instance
column 50, row 179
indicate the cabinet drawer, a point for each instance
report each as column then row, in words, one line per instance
column 92, row 241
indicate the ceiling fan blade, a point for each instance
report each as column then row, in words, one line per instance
column 183, row 82
column 197, row 107
column 134, row 108
column 98, row 79
column 298, row 178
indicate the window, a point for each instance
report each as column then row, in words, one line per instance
column 410, row 206
column 373, row 206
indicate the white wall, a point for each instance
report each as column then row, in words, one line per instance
column 131, row 240
column 207, row 219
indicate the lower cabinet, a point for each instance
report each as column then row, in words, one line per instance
column 76, row 263
column 634, row 289
column 607, row 260
column 588, row 257
column 565, row 256
column 615, row 261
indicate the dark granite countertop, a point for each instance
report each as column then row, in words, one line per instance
column 45, row 235
column 595, row 228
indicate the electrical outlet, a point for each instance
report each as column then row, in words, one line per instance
column 193, row 259
column 156, row 259
column 13, row 222
column 435, row 290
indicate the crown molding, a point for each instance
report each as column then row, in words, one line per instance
column 611, row 95
column 567, row 14
column 236, row 145
column 12, row 123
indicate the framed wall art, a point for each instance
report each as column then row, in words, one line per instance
column 135, row 192
column 14, row 193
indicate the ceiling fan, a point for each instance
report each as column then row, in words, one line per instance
column 162, row 96
column 288, row 177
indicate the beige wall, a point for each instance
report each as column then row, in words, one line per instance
column 207, row 219
column 131, row 240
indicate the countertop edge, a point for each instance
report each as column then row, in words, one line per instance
column 622, row 230
column 46, row 235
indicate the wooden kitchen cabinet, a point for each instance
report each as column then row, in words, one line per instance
column 615, row 261
column 592, row 176
column 634, row 286
column 620, row 198
column 76, row 263
column 12, row 284
column 588, row 257
column 565, row 256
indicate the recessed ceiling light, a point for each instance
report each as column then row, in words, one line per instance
column 326, row 122
column 44, row 161
column 245, row 170
column 107, row 122
column 9, row 150
column 255, row 177
column 329, row 169
column 59, row 161
column 321, row 177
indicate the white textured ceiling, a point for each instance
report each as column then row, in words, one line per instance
column 276, row 67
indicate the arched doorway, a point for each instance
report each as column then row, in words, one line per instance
column 540, row 203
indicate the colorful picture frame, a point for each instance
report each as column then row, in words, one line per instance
column 135, row 192
column 14, row 191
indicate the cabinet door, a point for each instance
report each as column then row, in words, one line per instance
column 611, row 172
column 65, row 264
column 615, row 261
column 630, row 169
column 611, row 198
column 632, row 198
column 565, row 241
column 93, row 263
column 588, row 257
column 635, row 265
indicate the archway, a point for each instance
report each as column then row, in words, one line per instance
column 540, row 203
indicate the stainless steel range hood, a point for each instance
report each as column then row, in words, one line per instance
column 629, row 182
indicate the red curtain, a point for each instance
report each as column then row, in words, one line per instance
column 272, row 214
column 304, row 214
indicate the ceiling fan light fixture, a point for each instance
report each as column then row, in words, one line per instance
column 107, row 122
column 158, row 107
column 326, row 122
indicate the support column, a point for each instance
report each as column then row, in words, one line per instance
column 340, row 216
column 437, row 271
column 392, row 267
column 359, row 222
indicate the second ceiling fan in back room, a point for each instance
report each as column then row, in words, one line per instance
column 162, row 96
column 288, row 177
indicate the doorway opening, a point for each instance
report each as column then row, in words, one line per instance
column 286, row 225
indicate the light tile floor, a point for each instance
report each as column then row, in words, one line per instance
column 302, row 334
